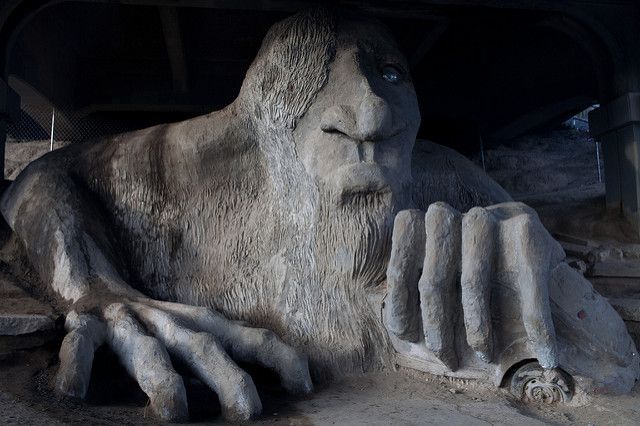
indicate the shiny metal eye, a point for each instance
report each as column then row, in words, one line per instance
column 391, row 74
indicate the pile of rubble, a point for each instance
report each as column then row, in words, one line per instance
column 24, row 321
column 614, row 271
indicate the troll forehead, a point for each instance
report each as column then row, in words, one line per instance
column 291, row 67
column 293, row 63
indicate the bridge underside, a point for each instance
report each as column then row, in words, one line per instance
column 483, row 70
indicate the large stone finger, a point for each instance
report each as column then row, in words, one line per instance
column 205, row 356
column 248, row 344
column 85, row 333
column 264, row 347
column 146, row 359
column 478, row 245
column 402, row 304
column 534, row 252
column 437, row 285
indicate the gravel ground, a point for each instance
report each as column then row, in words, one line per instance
column 400, row 398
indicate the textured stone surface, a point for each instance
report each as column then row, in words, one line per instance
column 14, row 300
column 405, row 265
column 437, row 285
column 519, row 301
column 478, row 245
column 24, row 322
column 269, row 223
column 628, row 308
column 634, row 331
column 595, row 345
column 20, row 313
column 17, row 324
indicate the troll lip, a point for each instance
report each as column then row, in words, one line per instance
column 361, row 178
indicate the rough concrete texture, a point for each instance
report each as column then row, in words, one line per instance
column 600, row 358
column 14, row 300
column 17, row 324
column 634, row 331
column 403, row 398
column 437, row 285
column 629, row 309
column 405, row 266
column 85, row 334
column 192, row 240
column 24, row 321
column 512, row 258
column 478, row 244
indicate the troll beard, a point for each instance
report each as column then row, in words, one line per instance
column 331, row 313
column 327, row 255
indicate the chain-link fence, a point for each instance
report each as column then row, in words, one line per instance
column 39, row 128
column 37, row 122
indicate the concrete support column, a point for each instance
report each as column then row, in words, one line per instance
column 617, row 126
column 3, row 139
column 5, row 94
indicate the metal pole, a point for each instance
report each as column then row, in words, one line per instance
column 53, row 120
column 482, row 153
column 598, row 160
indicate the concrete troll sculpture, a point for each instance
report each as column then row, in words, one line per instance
column 271, row 231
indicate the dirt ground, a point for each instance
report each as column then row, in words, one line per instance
column 401, row 397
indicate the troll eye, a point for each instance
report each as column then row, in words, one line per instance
column 391, row 73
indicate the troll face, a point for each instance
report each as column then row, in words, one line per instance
column 358, row 134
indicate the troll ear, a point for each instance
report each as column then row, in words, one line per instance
column 291, row 66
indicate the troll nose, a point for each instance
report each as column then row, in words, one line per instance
column 369, row 118
column 373, row 118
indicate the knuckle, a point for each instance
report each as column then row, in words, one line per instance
column 442, row 208
column 209, row 313
column 202, row 339
column 476, row 229
column 520, row 204
column 440, row 205
column 286, row 351
column 116, row 311
column 440, row 215
column 528, row 219
column 518, row 207
column 522, row 221
column 405, row 215
column 297, row 358
column 428, row 289
column 72, row 320
column 241, row 380
column 531, row 227
column 266, row 336
column 167, row 383
column 148, row 342
column 477, row 211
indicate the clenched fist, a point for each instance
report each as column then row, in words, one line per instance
column 435, row 252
